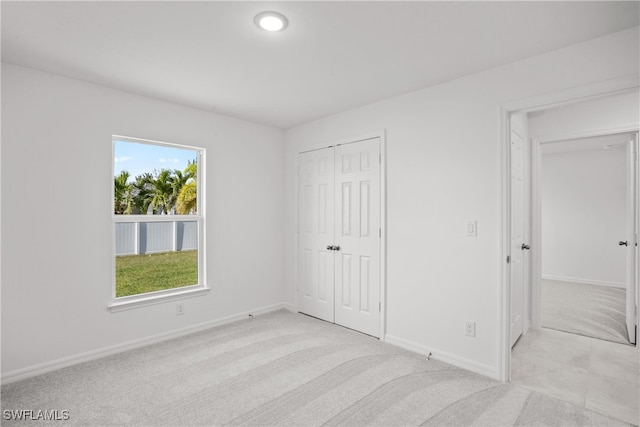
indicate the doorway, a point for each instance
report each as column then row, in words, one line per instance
column 340, row 261
column 593, row 373
column 582, row 121
column 587, row 204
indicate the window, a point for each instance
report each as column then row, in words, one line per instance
column 158, row 221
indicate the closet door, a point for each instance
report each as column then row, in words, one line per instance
column 357, row 234
column 315, row 232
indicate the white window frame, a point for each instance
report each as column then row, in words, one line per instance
column 149, row 298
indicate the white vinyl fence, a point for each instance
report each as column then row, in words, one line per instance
column 153, row 237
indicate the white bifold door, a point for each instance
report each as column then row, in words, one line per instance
column 339, row 235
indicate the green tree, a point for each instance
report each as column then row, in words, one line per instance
column 122, row 194
column 191, row 169
column 187, row 201
column 142, row 193
column 161, row 191
column 178, row 180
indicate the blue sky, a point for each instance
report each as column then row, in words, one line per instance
column 140, row 158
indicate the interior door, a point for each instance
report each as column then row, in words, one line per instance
column 631, row 237
column 517, row 231
column 357, row 213
column 339, row 235
column 316, row 234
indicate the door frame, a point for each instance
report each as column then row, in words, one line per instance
column 383, row 216
column 532, row 104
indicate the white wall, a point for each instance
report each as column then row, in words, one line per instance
column 57, row 226
column 443, row 163
column 601, row 114
column 595, row 116
column 583, row 196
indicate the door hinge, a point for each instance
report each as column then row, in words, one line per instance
column 379, row 232
column 380, row 306
column 508, row 259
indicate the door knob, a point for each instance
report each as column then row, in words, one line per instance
column 336, row 248
column 525, row 247
column 623, row 243
column 329, row 248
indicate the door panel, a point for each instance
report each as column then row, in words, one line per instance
column 357, row 213
column 517, row 236
column 631, row 238
column 316, row 205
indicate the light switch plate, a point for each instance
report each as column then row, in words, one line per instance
column 472, row 228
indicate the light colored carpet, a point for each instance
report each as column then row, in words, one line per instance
column 589, row 310
column 284, row 369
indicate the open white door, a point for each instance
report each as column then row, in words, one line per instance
column 315, row 228
column 518, row 245
column 631, row 237
column 358, row 236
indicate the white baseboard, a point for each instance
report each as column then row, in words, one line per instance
column 41, row 368
column 586, row 281
column 288, row 307
column 460, row 362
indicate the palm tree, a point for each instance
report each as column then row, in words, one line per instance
column 122, row 196
column 187, row 201
column 191, row 169
column 178, row 180
column 142, row 193
column 161, row 191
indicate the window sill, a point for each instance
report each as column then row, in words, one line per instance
column 128, row 303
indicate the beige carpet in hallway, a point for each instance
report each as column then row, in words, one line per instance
column 589, row 310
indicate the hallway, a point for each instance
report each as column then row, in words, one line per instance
column 599, row 375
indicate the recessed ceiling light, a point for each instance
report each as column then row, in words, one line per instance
column 271, row 21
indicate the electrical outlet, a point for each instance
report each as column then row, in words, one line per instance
column 470, row 328
column 179, row 309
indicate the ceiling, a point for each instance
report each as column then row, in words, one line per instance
column 334, row 56
column 606, row 142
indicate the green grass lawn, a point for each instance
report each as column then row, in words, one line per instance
column 138, row 274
